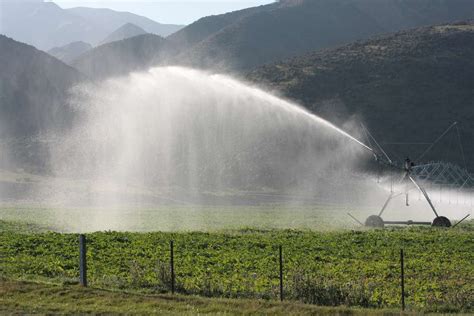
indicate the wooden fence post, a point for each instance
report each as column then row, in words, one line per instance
column 281, row 272
column 402, row 278
column 172, row 266
column 82, row 260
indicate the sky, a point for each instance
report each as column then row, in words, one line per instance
column 168, row 11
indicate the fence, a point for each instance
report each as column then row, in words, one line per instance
column 83, row 269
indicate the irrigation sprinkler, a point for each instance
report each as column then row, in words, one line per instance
column 377, row 221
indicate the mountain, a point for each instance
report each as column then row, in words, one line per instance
column 112, row 20
column 43, row 24
column 407, row 87
column 125, row 31
column 70, row 51
column 46, row 25
column 33, row 98
column 121, row 57
column 245, row 39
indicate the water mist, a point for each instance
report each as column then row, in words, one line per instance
column 176, row 134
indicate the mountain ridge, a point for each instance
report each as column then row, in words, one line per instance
column 125, row 31
column 115, row 19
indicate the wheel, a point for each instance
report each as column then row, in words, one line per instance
column 441, row 221
column 374, row 221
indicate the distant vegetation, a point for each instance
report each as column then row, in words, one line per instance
column 342, row 268
column 407, row 88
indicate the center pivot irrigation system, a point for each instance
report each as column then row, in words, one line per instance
column 376, row 220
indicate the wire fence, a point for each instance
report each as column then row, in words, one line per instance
column 296, row 284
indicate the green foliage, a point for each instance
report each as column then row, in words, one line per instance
column 350, row 268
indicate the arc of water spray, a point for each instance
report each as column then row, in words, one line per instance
column 314, row 117
column 344, row 133
column 328, row 124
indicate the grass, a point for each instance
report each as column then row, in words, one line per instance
column 21, row 297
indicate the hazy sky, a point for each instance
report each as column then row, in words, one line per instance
column 168, row 11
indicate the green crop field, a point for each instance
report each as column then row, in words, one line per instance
column 350, row 268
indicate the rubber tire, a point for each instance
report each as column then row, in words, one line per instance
column 441, row 221
column 374, row 221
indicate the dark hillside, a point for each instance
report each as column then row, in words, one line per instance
column 407, row 87
column 207, row 26
column 33, row 89
column 273, row 34
column 244, row 39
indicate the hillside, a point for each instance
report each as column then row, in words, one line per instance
column 125, row 31
column 407, row 87
column 33, row 87
column 33, row 94
column 244, row 39
column 69, row 52
column 122, row 57
column 46, row 25
column 207, row 26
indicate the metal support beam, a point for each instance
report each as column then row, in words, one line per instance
column 425, row 195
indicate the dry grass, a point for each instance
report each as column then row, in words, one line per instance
column 18, row 297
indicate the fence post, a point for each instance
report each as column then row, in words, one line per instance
column 281, row 272
column 172, row 265
column 402, row 278
column 82, row 261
